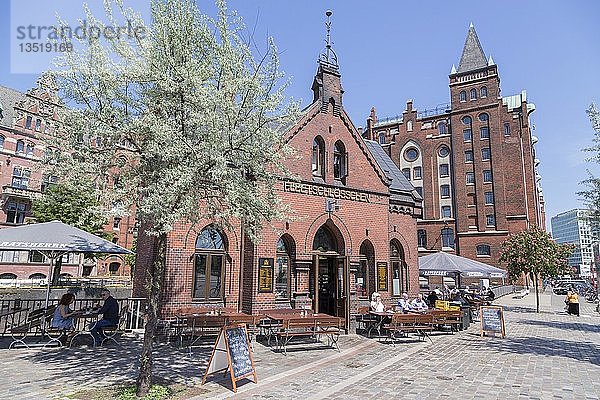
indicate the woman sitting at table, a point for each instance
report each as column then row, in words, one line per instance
column 376, row 303
column 418, row 304
column 63, row 315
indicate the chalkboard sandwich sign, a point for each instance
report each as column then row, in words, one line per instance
column 492, row 320
column 232, row 352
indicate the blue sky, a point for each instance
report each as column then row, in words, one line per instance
column 392, row 51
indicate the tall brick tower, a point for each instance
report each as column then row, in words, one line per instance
column 473, row 160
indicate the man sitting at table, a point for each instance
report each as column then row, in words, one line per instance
column 110, row 316
column 404, row 303
column 376, row 303
column 418, row 304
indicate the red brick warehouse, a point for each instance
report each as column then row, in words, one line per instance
column 352, row 232
column 473, row 161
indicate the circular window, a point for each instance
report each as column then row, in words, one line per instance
column 411, row 154
column 466, row 120
column 483, row 117
column 444, row 151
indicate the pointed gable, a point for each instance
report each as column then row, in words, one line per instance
column 473, row 56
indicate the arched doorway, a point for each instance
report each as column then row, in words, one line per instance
column 400, row 278
column 365, row 275
column 329, row 280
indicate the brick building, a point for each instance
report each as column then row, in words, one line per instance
column 353, row 229
column 24, row 118
column 472, row 160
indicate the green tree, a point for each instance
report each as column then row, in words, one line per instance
column 591, row 196
column 75, row 205
column 535, row 254
column 199, row 118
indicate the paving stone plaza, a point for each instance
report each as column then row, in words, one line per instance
column 549, row 355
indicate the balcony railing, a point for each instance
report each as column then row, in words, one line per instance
column 22, row 193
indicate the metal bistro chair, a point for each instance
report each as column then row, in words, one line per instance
column 111, row 332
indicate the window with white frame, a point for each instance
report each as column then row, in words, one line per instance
column 487, row 176
column 489, row 198
column 444, row 170
column 469, row 156
column 417, row 173
column 486, row 154
column 448, row 237
column 473, row 94
column 445, row 191
column 406, row 173
column 20, row 177
column 484, row 250
column 507, row 129
column 490, row 220
column 484, row 132
column 463, row 96
column 483, row 91
column 446, row 212
column 470, row 177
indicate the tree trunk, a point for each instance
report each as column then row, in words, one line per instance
column 154, row 280
column 537, row 294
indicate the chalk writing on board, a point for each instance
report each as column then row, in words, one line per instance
column 239, row 351
column 492, row 320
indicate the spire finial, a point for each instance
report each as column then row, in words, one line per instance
column 328, row 56
column 471, row 25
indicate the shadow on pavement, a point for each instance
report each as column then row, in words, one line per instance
column 575, row 325
column 580, row 351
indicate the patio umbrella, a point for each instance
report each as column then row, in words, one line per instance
column 55, row 239
column 443, row 264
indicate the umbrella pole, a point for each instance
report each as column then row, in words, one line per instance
column 47, row 292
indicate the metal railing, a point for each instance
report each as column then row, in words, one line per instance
column 14, row 312
column 504, row 290
column 440, row 109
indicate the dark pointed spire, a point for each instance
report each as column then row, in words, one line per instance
column 473, row 56
column 328, row 56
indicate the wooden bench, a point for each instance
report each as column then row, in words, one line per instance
column 451, row 319
column 402, row 324
column 33, row 324
column 309, row 327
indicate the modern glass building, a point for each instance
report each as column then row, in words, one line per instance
column 574, row 227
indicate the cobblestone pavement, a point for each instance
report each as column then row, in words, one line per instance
column 549, row 355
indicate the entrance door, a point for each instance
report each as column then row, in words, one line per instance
column 332, row 286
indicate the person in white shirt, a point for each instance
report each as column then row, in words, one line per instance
column 418, row 304
column 376, row 303
column 404, row 303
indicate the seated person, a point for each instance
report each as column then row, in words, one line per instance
column 403, row 303
column 110, row 316
column 432, row 298
column 376, row 303
column 418, row 304
column 63, row 315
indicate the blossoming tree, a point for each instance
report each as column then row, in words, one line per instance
column 180, row 121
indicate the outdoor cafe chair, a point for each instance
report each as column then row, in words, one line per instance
column 34, row 322
column 111, row 331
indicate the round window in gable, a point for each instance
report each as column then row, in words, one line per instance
column 411, row 154
column 444, row 151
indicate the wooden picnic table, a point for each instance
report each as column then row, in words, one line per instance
column 289, row 325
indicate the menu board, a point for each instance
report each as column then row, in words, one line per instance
column 492, row 320
column 382, row 276
column 232, row 352
column 265, row 275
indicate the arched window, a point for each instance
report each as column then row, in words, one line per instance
column 324, row 240
column 448, row 237
column 409, row 126
column 37, row 276
column 318, row 157
column 463, row 96
column 422, row 238
column 113, row 268
column 365, row 273
column 29, row 149
column 473, row 94
column 20, row 146
column 340, row 161
column 483, row 91
column 484, row 117
column 467, row 120
column 382, row 137
column 209, row 265
column 282, row 269
column 8, row 275
column 484, row 250
column 399, row 269
column 442, row 128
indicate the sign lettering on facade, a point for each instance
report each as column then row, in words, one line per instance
column 331, row 192
column 382, row 276
column 265, row 275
